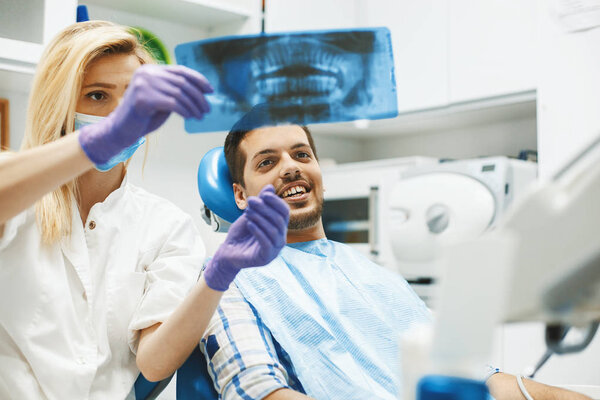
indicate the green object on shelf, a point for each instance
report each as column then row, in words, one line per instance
column 153, row 44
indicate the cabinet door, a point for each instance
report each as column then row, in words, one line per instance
column 419, row 41
column 491, row 48
column 293, row 15
column 26, row 28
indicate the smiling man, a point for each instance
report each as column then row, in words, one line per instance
column 285, row 157
column 320, row 320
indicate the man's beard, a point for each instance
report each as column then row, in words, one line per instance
column 306, row 219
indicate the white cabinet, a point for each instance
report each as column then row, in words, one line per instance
column 179, row 21
column 446, row 52
column 199, row 14
column 491, row 48
column 27, row 27
column 419, row 40
column 293, row 15
column 454, row 51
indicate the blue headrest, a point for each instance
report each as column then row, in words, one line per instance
column 215, row 185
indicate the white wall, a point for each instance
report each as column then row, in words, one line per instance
column 338, row 149
column 569, row 90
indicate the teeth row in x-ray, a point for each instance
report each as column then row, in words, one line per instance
column 272, row 57
column 277, row 87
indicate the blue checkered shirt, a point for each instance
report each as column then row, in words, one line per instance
column 244, row 360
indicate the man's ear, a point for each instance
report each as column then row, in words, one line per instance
column 239, row 193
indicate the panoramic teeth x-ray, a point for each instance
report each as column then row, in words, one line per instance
column 303, row 77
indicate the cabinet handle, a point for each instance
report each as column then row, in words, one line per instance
column 373, row 220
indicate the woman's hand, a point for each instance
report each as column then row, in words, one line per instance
column 152, row 95
column 254, row 239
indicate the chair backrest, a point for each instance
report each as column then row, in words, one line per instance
column 193, row 380
column 215, row 185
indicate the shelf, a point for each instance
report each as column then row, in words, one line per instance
column 19, row 56
column 204, row 13
column 453, row 116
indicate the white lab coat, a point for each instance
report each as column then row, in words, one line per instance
column 70, row 313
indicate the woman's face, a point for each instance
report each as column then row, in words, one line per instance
column 105, row 82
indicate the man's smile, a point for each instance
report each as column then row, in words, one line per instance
column 294, row 192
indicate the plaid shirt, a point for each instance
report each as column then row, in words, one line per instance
column 244, row 360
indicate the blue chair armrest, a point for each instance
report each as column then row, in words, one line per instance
column 193, row 380
column 146, row 390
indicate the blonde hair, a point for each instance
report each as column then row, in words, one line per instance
column 53, row 99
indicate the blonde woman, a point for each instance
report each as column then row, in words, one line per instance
column 98, row 278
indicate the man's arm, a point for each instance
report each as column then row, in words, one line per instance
column 505, row 387
column 242, row 359
column 286, row 394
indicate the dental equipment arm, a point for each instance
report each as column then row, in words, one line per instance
column 541, row 264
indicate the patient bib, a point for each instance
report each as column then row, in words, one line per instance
column 337, row 315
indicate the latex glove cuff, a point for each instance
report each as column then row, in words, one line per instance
column 218, row 274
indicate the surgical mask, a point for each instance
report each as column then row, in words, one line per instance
column 82, row 120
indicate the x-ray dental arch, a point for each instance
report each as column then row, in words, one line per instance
column 303, row 77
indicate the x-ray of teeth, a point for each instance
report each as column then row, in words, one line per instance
column 302, row 77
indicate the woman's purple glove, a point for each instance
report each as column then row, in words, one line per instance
column 153, row 93
column 254, row 239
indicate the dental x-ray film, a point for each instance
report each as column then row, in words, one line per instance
column 302, row 78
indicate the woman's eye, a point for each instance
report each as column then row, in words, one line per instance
column 264, row 163
column 96, row 96
column 303, row 154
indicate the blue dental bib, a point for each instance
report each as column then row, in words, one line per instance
column 337, row 315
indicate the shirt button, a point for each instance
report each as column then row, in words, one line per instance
column 84, row 295
column 92, row 224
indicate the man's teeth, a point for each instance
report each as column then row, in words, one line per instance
column 293, row 190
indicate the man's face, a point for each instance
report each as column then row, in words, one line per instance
column 281, row 156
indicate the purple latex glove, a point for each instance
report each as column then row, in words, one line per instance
column 253, row 240
column 153, row 93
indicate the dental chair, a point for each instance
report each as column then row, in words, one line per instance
column 220, row 210
column 146, row 390
column 216, row 190
column 192, row 382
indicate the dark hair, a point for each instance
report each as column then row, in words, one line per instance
column 256, row 118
